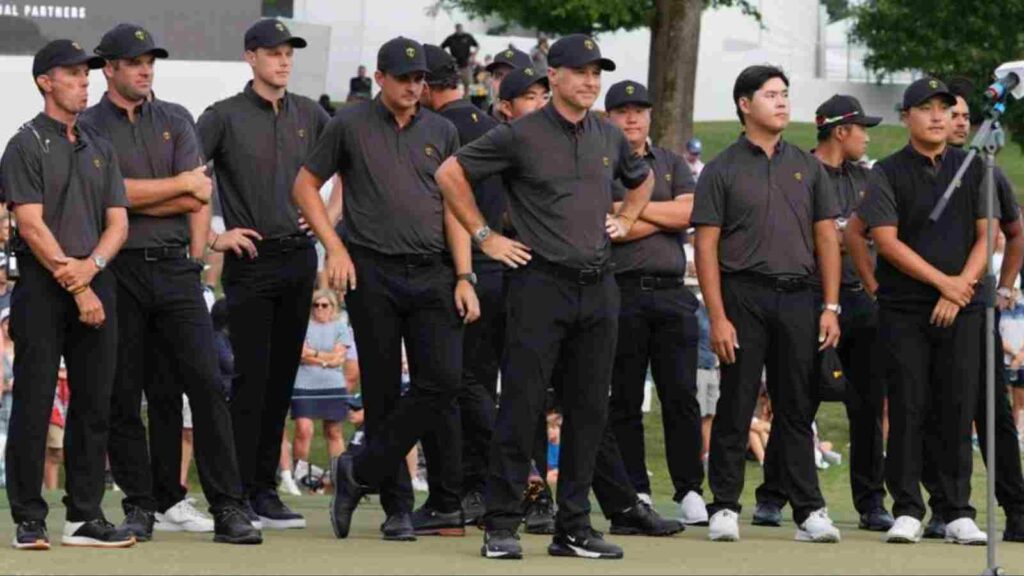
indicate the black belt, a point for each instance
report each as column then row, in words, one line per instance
column 407, row 260
column 649, row 282
column 283, row 244
column 579, row 276
column 156, row 254
column 776, row 283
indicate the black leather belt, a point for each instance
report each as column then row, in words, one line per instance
column 579, row 276
column 283, row 244
column 776, row 283
column 157, row 254
column 650, row 282
column 407, row 260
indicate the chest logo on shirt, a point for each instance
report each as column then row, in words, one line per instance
column 302, row 132
column 167, row 136
column 668, row 177
column 429, row 151
column 799, row 176
column 97, row 163
column 606, row 161
column 474, row 117
column 410, row 52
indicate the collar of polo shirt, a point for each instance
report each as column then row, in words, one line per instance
column 928, row 161
column 755, row 148
column 140, row 110
column 381, row 109
column 44, row 123
column 552, row 113
column 263, row 102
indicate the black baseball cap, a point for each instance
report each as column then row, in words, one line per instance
column 841, row 109
column 441, row 66
column 128, row 41
column 576, row 51
column 519, row 81
column 512, row 57
column 63, row 53
column 626, row 92
column 401, row 56
column 271, row 32
column 925, row 89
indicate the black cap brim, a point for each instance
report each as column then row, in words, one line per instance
column 293, row 41
column 604, row 63
column 494, row 65
column 947, row 96
column 94, row 62
column 543, row 81
column 643, row 103
column 410, row 68
column 156, row 52
column 867, row 121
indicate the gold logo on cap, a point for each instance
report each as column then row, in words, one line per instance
column 799, row 177
column 509, row 53
column 630, row 89
column 862, row 193
column 589, row 44
column 933, row 84
column 606, row 161
column 167, row 136
column 76, row 45
column 410, row 52
column 140, row 34
column 279, row 26
column 474, row 117
column 528, row 71
column 302, row 132
column 668, row 177
column 97, row 162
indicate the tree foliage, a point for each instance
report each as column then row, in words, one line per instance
column 946, row 38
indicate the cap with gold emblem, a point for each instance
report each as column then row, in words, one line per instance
column 512, row 57
column 576, row 51
column 400, row 56
column 626, row 92
column 519, row 81
column 127, row 41
column 268, row 33
column 63, row 53
column 925, row 89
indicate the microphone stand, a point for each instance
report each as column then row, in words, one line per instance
column 987, row 141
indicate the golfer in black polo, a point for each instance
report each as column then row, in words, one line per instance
column 930, row 314
column 562, row 301
column 258, row 140
column 842, row 141
column 658, row 317
column 67, row 193
column 385, row 153
column 764, row 213
column 161, row 309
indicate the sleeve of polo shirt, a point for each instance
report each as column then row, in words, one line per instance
column 451, row 142
column 116, row 195
column 1006, row 202
column 330, row 155
column 187, row 155
column 320, row 121
column 210, row 128
column 489, row 154
column 22, row 174
column 709, row 198
column 683, row 181
column 633, row 169
column 878, row 208
column 826, row 205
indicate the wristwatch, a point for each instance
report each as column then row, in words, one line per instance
column 1005, row 292
column 471, row 278
column 835, row 308
column 99, row 261
column 482, row 234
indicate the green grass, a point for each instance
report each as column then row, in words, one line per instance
column 884, row 140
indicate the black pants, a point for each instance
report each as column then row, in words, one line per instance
column 776, row 330
column 658, row 328
column 551, row 316
column 406, row 298
column 268, row 312
column 612, row 485
column 858, row 351
column 931, row 372
column 44, row 327
column 456, row 446
column 1009, row 480
column 165, row 347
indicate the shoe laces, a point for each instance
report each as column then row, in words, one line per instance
column 501, row 534
column 34, row 525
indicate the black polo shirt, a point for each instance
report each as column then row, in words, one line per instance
column 257, row 154
column 460, row 45
column 660, row 254
column 161, row 143
column 76, row 183
column 850, row 182
column 392, row 203
column 560, row 177
column 472, row 123
column 902, row 191
column 766, row 208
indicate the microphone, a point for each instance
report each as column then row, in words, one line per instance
column 997, row 91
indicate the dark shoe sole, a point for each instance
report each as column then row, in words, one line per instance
column 398, row 537
column 766, row 523
column 563, row 551
column 243, row 540
column 873, row 527
column 933, row 535
column 449, row 531
column 630, row 531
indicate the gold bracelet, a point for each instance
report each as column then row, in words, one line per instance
column 213, row 242
column 79, row 291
